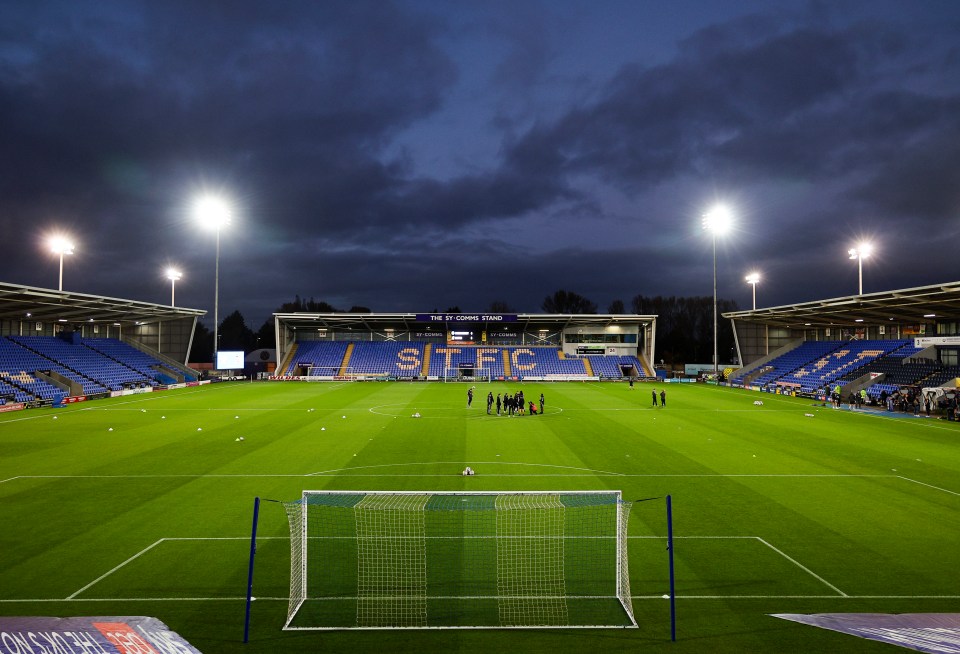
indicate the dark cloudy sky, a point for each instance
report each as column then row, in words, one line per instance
column 408, row 156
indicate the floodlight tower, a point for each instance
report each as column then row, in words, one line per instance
column 174, row 276
column 753, row 279
column 716, row 221
column 860, row 252
column 61, row 245
column 214, row 213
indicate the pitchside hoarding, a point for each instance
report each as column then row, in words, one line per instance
column 89, row 635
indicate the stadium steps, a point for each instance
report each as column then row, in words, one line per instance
column 645, row 369
column 346, row 360
column 507, row 372
column 425, row 368
column 586, row 365
column 284, row 367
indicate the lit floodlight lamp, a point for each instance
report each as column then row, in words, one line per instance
column 213, row 213
column 753, row 279
column 716, row 221
column 60, row 245
column 174, row 276
column 860, row 252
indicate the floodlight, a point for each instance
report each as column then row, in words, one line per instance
column 212, row 212
column 174, row 276
column 60, row 245
column 860, row 252
column 753, row 279
column 718, row 220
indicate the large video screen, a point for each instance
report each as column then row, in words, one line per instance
column 229, row 360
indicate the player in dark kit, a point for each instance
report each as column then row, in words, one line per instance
column 469, row 397
column 663, row 398
column 654, row 393
column 489, row 402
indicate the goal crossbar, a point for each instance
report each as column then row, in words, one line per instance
column 464, row 560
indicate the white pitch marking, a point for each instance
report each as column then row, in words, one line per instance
column 500, row 463
column 337, row 470
column 802, row 567
column 636, row 597
column 110, row 572
column 6, row 480
column 929, row 485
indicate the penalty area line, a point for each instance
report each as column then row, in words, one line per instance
column 55, row 600
column 929, row 485
column 802, row 567
column 110, row 572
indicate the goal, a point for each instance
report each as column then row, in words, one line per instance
column 466, row 374
column 330, row 373
column 420, row 560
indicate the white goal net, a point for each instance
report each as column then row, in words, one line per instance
column 392, row 560
column 331, row 373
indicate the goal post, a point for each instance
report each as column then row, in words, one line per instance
column 461, row 560
column 469, row 375
column 331, row 373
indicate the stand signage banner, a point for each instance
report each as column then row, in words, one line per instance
column 466, row 317
column 16, row 406
column 83, row 635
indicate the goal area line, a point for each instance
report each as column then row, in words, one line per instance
column 145, row 550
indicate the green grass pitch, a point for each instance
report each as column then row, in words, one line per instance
column 774, row 511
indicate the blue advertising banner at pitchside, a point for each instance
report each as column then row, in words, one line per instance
column 934, row 633
column 90, row 635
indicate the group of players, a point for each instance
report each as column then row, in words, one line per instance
column 509, row 404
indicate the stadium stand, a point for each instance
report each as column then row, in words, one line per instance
column 543, row 362
column 142, row 362
column 90, row 364
column 845, row 356
column 50, row 349
column 789, row 362
column 448, row 359
column 10, row 392
column 20, row 364
column 326, row 354
column 386, row 358
column 405, row 359
column 613, row 366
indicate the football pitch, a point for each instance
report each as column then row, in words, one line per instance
column 142, row 505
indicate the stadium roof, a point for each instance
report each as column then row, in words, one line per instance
column 408, row 320
column 18, row 302
column 924, row 304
